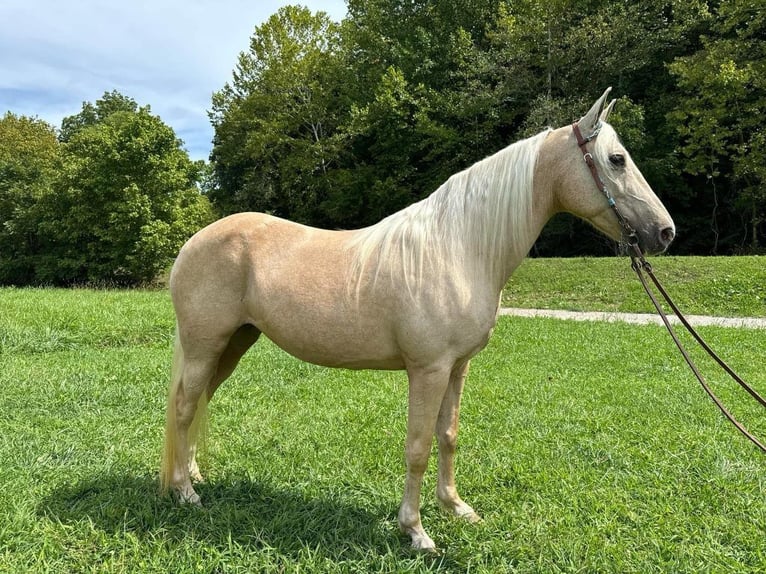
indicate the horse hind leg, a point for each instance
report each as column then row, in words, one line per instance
column 242, row 339
column 194, row 379
column 185, row 414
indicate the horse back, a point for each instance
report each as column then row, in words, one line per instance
column 292, row 282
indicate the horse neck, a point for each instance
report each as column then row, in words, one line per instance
column 507, row 204
column 479, row 225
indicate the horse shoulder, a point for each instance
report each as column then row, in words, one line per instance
column 447, row 321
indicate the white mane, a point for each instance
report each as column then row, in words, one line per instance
column 477, row 219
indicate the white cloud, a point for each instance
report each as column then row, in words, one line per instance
column 169, row 54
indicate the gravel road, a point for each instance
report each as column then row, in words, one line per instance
column 637, row 318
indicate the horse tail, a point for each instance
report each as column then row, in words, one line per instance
column 171, row 433
column 198, row 425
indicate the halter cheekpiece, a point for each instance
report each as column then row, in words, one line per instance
column 629, row 236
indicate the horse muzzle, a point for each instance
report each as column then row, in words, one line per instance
column 656, row 240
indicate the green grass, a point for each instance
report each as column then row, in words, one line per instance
column 720, row 286
column 585, row 446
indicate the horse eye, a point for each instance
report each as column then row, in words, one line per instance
column 617, row 160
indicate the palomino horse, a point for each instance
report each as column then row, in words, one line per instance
column 418, row 291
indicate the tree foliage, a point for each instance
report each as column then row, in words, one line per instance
column 117, row 199
column 30, row 159
column 407, row 93
column 719, row 118
column 275, row 121
column 338, row 124
column 93, row 114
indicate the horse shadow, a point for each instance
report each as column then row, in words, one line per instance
column 251, row 513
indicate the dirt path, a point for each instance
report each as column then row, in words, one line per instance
column 637, row 318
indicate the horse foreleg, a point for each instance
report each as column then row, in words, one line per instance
column 446, row 432
column 426, row 389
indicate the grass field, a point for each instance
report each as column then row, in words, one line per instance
column 722, row 286
column 586, row 447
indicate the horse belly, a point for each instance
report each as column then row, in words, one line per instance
column 332, row 342
column 316, row 320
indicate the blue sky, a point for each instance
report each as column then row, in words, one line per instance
column 168, row 54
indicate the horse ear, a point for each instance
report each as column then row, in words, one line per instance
column 606, row 111
column 589, row 122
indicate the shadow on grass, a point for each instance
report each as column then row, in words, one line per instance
column 252, row 514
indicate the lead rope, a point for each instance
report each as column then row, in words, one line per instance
column 640, row 264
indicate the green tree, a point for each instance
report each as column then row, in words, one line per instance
column 92, row 114
column 276, row 122
column 125, row 202
column 29, row 163
column 393, row 138
column 488, row 73
column 439, row 50
column 719, row 116
column 408, row 93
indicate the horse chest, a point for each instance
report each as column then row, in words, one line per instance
column 459, row 334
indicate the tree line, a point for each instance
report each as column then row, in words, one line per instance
column 338, row 124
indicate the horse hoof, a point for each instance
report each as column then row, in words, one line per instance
column 470, row 517
column 424, row 545
column 462, row 511
column 191, row 498
column 421, row 542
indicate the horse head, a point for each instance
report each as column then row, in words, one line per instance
column 600, row 183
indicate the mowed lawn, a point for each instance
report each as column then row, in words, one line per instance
column 587, row 447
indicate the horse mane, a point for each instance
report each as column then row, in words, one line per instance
column 473, row 219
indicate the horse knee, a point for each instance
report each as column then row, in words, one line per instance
column 417, row 454
column 448, row 440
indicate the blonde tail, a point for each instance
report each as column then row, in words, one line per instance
column 197, row 427
column 171, row 432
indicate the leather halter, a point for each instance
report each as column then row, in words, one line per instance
column 629, row 236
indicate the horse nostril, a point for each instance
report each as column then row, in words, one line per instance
column 667, row 235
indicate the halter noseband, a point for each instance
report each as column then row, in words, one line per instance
column 629, row 236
